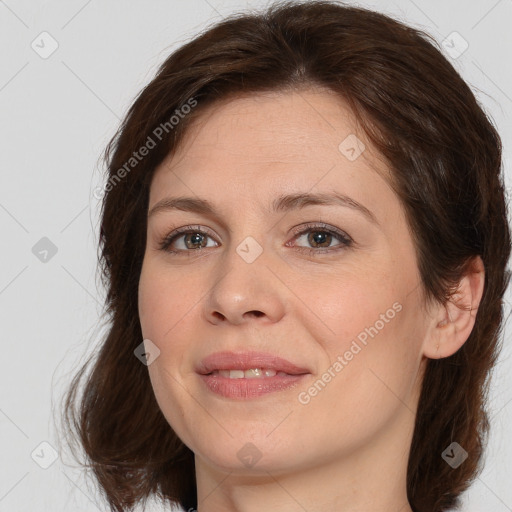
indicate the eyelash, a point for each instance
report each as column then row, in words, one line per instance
column 345, row 240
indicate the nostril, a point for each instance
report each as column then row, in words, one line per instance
column 256, row 313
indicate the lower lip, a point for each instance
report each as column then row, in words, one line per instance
column 244, row 389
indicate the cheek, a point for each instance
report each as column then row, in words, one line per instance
column 370, row 373
column 374, row 332
column 167, row 304
column 164, row 301
column 356, row 306
column 161, row 311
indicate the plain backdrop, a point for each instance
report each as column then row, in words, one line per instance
column 69, row 71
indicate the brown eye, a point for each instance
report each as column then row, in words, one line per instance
column 193, row 239
column 320, row 237
column 186, row 240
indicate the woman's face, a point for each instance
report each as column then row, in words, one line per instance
column 331, row 287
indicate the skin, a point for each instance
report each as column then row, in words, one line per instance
column 347, row 448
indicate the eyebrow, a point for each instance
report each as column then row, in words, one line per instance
column 283, row 203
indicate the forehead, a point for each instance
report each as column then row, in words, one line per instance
column 281, row 124
column 272, row 143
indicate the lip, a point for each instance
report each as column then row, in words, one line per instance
column 246, row 361
column 243, row 389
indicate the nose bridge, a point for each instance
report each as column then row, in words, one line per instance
column 244, row 286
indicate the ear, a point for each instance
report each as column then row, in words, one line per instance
column 450, row 325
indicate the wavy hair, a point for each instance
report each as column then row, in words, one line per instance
column 444, row 155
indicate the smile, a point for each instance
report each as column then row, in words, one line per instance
column 244, row 375
column 252, row 373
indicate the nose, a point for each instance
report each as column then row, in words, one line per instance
column 243, row 291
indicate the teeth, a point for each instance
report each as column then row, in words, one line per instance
column 253, row 373
column 236, row 374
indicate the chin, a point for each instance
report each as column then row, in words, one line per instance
column 250, row 454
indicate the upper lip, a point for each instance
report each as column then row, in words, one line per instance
column 246, row 361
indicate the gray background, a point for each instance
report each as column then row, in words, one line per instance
column 57, row 114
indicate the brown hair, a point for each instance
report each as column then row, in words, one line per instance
column 445, row 158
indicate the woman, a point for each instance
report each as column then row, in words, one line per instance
column 304, row 241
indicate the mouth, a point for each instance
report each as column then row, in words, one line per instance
column 249, row 365
column 252, row 373
column 243, row 375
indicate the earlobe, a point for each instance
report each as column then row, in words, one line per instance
column 453, row 322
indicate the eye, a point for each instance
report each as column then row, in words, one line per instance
column 185, row 240
column 320, row 237
column 191, row 240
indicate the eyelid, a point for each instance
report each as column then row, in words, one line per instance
column 320, row 226
column 344, row 239
column 183, row 230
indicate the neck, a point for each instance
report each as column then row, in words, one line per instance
column 370, row 477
